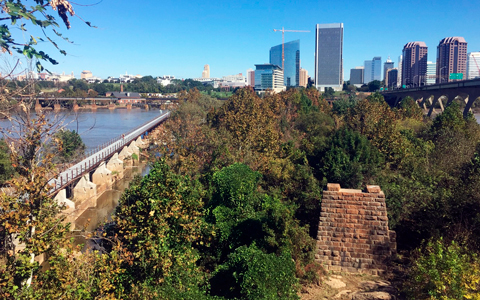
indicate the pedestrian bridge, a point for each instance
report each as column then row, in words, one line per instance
column 436, row 95
column 79, row 185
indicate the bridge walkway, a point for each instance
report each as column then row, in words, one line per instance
column 93, row 159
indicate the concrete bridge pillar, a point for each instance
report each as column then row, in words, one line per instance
column 94, row 106
column 141, row 143
column 38, row 106
column 84, row 193
column 115, row 165
column 102, row 177
column 125, row 154
column 111, row 106
column 62, row 199
column 129, row 106
column 134, row 148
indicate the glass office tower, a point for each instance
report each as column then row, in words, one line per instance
column 329, row 56
column 292, row 61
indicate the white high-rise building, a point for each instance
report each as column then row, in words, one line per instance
column 431, row 72
column 473, row 65
column 400, row 65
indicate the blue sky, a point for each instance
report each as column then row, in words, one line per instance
column 177, row 37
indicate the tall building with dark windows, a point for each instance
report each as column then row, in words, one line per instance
column 414, row 65
column 329, row 56
column 291, row 72
column 356, row 76
column 451, row 58
column 377, row 68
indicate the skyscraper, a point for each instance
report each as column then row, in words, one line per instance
column 431, row 72
column 391, row 78
column 206, row 71
column 399, row 74
column 292, row 61
column 373, row 70
column 367, row 72
column 356, row 76
column 389, row 64
column 303, row 77
column 329, row 56
column 377, row 68
column 451, row 58
column 414, row 66
column 473, row 65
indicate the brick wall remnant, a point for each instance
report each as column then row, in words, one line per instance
column 353, row 234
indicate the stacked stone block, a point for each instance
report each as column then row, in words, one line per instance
column 353, row 234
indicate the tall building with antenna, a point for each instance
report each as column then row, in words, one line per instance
column 329, row 56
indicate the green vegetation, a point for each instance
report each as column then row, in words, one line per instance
column 231, row 207
column 69, row 145
column 6, row 168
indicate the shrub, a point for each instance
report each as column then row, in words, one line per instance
column 444, row 272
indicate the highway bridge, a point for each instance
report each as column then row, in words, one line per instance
column 436, row 95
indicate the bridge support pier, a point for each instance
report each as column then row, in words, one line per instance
column 85, row 192
column 115, row 165
column 102, row 178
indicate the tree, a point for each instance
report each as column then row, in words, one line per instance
column 6, row 168
column 329, row 92
column 70, row 144
column 159, row 219
column 24, row 14
column 374, row 86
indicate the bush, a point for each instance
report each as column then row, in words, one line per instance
column 444, row 271
column 251, row 274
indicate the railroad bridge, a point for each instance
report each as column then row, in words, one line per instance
column 79, row 186
column 429, row 96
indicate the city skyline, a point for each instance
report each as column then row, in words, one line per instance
column 235, row 37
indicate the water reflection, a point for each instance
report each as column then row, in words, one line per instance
column 95, row 217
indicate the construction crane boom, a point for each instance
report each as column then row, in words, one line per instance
column 283, row 30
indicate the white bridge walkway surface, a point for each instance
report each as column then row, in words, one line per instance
column 96, row 156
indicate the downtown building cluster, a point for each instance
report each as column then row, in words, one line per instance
column 453, row 63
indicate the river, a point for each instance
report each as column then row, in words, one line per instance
column 99, row 126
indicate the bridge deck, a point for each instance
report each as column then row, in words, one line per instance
column 92, row 160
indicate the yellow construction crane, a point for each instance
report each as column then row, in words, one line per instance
column 283, row 42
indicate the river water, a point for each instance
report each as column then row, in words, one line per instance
column 99, row 126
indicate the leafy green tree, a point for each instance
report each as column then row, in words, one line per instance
column 68, row 146
column 6, row 168
column 248, row 274
column 33, row 13
column 350, row 160
column 158, row 220
column 374, row 86
column 329, row 92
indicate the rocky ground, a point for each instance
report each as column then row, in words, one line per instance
column 351, row 287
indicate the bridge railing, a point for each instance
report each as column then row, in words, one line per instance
column 95, row 156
